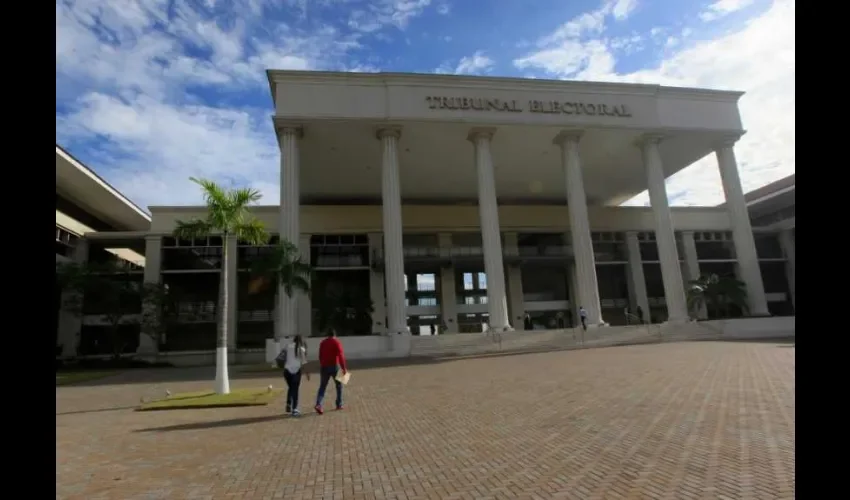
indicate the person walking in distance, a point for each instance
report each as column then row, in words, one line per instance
column 331, row 361
column 583, row 315
column 294, row 358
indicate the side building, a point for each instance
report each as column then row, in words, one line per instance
column 90, row 218
column 772, row 210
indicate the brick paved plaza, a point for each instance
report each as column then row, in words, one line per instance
column 678, row 421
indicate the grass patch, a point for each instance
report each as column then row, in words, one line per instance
column 209, row 399
column 66, row 378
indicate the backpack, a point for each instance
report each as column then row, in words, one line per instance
column 280, row 360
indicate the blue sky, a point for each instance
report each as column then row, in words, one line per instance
column 150, row 92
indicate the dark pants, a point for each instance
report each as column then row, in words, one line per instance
column 325, row 375
column 293, row 383
column 584, row 323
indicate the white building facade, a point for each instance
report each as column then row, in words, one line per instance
column 433, row 186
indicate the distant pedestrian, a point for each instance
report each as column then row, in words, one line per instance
column 331, row 361
column 293, row 356
column 583, row 315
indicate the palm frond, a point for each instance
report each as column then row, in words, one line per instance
column 193, row 229
column 242, row 197
column 250, row 231
column 213, row 193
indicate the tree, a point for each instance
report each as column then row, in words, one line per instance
column 228, row 215
column 718, row 293
column 160, row 312
column 283, row 265
column 345, row 311
column 115, row 292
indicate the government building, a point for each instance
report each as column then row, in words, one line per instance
column 460, row 204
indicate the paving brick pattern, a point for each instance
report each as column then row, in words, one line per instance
column 669, row 421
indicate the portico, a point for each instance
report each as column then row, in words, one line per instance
column 438, row 145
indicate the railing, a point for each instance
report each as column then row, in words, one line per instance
column 543, row 251
column 429, row 252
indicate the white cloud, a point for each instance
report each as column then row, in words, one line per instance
column 470, row 65
column 381, row 13
column 129, row 85
column 758, row 58
column 722, row 8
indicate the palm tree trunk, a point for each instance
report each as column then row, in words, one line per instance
column 222, row 379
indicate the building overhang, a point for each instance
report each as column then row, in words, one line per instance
column 339, row 113
column 86, row 189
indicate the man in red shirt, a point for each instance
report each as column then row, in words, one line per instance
column 331, row 360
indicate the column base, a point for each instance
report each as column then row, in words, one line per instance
column 503, row 329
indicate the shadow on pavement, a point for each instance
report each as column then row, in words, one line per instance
column 115, row 408
column 221, row 423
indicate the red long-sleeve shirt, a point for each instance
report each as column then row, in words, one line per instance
column 331, row 354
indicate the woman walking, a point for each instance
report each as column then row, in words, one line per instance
column 295, row 357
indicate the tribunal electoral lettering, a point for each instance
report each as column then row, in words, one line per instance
column 533, row 106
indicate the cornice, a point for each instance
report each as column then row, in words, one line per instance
column 466, row 82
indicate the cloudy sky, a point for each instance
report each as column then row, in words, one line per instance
column 150, row 92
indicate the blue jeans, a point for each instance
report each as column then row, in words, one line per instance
column 293, row 383
column 325, row 375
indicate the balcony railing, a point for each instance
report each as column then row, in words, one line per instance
column 450, row 255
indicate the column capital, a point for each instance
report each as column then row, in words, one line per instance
column 153, row 237
column 480, row 132
column 285, row 127
column 568, row 135
column 727, row 141
column 632, row 234
column 689, row 232
column 382, row 131
column 649, row 138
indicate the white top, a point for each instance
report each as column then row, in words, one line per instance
column 293, row 361
column 582, row 312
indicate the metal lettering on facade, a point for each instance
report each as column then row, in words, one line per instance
column 533, row 106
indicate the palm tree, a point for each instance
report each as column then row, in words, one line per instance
column 282, row 265
column 227, row 214
column 718, row 293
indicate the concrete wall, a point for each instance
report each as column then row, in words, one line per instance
column 317, row 219
column 309, row 95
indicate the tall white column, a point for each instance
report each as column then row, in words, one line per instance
column 393, row 248
column 289, row 219
column 671, row 272
column 582, row 243
column 789, row 249
column 488, row 210
column 572, row 282
column 637, row 280
column 448, row 296
column 692, row 272
column 514, row 272
column 305, row 304
column 152, row 276
column 376, row 286
column 742, row 231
